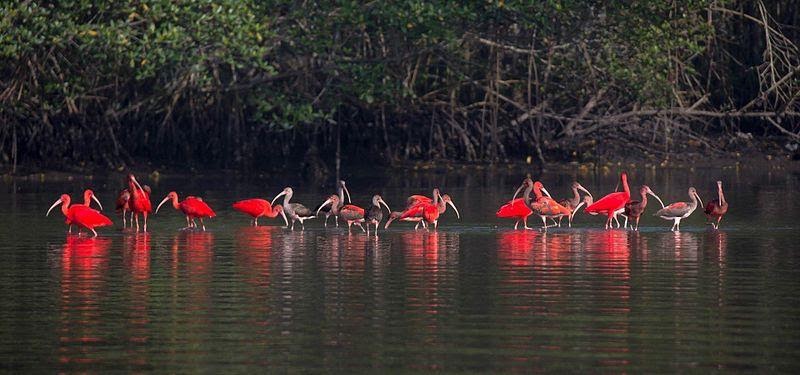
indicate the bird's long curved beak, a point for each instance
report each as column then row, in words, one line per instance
column 285, row 220
column 385, row 205
column 517, row 192
column 138, row 186
column 277, row 196
column 97, row 201
column 616, row 187
column 454, row 209
column 578, row 207
column 698, row 199
column 656, row 197
column 546, row 193
column 327, row 202
column 348, row 195
column 162, row 203
column 53, row 206
column 583, row 189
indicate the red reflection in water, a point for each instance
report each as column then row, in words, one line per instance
column 254, row 251
column 136, row 258
column 84, row 262
column 516, row 248
column 195, row 251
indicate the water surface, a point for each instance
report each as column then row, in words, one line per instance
column 472, row 296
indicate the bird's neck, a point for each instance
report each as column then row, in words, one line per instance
column 175, row 203
column 575, row 194
column 721, row 196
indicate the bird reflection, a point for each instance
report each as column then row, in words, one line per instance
column 254, row 252
column 136, row 257
column 516, row 248
column 84, row 263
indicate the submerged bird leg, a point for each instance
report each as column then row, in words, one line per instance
column 137, row 223
column 336, row 220
column 202, row 224
column 515, row 225
column 145, row 221
column 525, row 223
column 94, row 232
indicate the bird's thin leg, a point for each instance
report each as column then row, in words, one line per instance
column 255, row 222
column 544, row 223
column 123, row 218
column 292, row 225
column 188, row 223
column 94, row 232
column 326, row 220
column 718, row 220
column 360, row 226
column 515, row 225
column 202, row 224
column 525, row 223
column 569, row 222
column 137, row 223
column 336, row 220
column 145, row 221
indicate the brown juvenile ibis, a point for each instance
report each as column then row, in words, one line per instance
column 328, row 211
column 544, row 206
column 351, row 214
column 295, row 211
column 717, row 207
column 680, row 210
column 375, row 214
column 573, row 203
column 634, row 209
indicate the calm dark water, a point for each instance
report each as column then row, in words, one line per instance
column 473, row 296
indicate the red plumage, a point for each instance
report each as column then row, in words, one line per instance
column 195, row 207
column 87, row 217
column 253, row 207
column 515, row 209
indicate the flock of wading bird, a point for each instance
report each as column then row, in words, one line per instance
column 422, row 210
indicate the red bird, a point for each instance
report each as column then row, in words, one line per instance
column 716, row 208
column 123, row 203
column 612, row 204
column 81, row 215
column 192, row 207
column 545, row 206
column 350, row 213
column 516, row 208
column 430, row 211
column 259, row 207
column 88, row 196
column 411, row 202
column 139, row 202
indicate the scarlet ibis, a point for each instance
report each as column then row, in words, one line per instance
column 375, row 214
column 88, row 196
column 350, row 213
column 717, row 207
column 295, row 211
column 517, row 208
column 634, row 209
column 612, row 204
column 81, row 215
column 544, row 206
column 123, row 203
column 573, row 203
column 259, row 207
column 192, row 207
column 411, row 202
column 341, row 189
column 430, row 212
column 680, row 210
column 139, row 202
